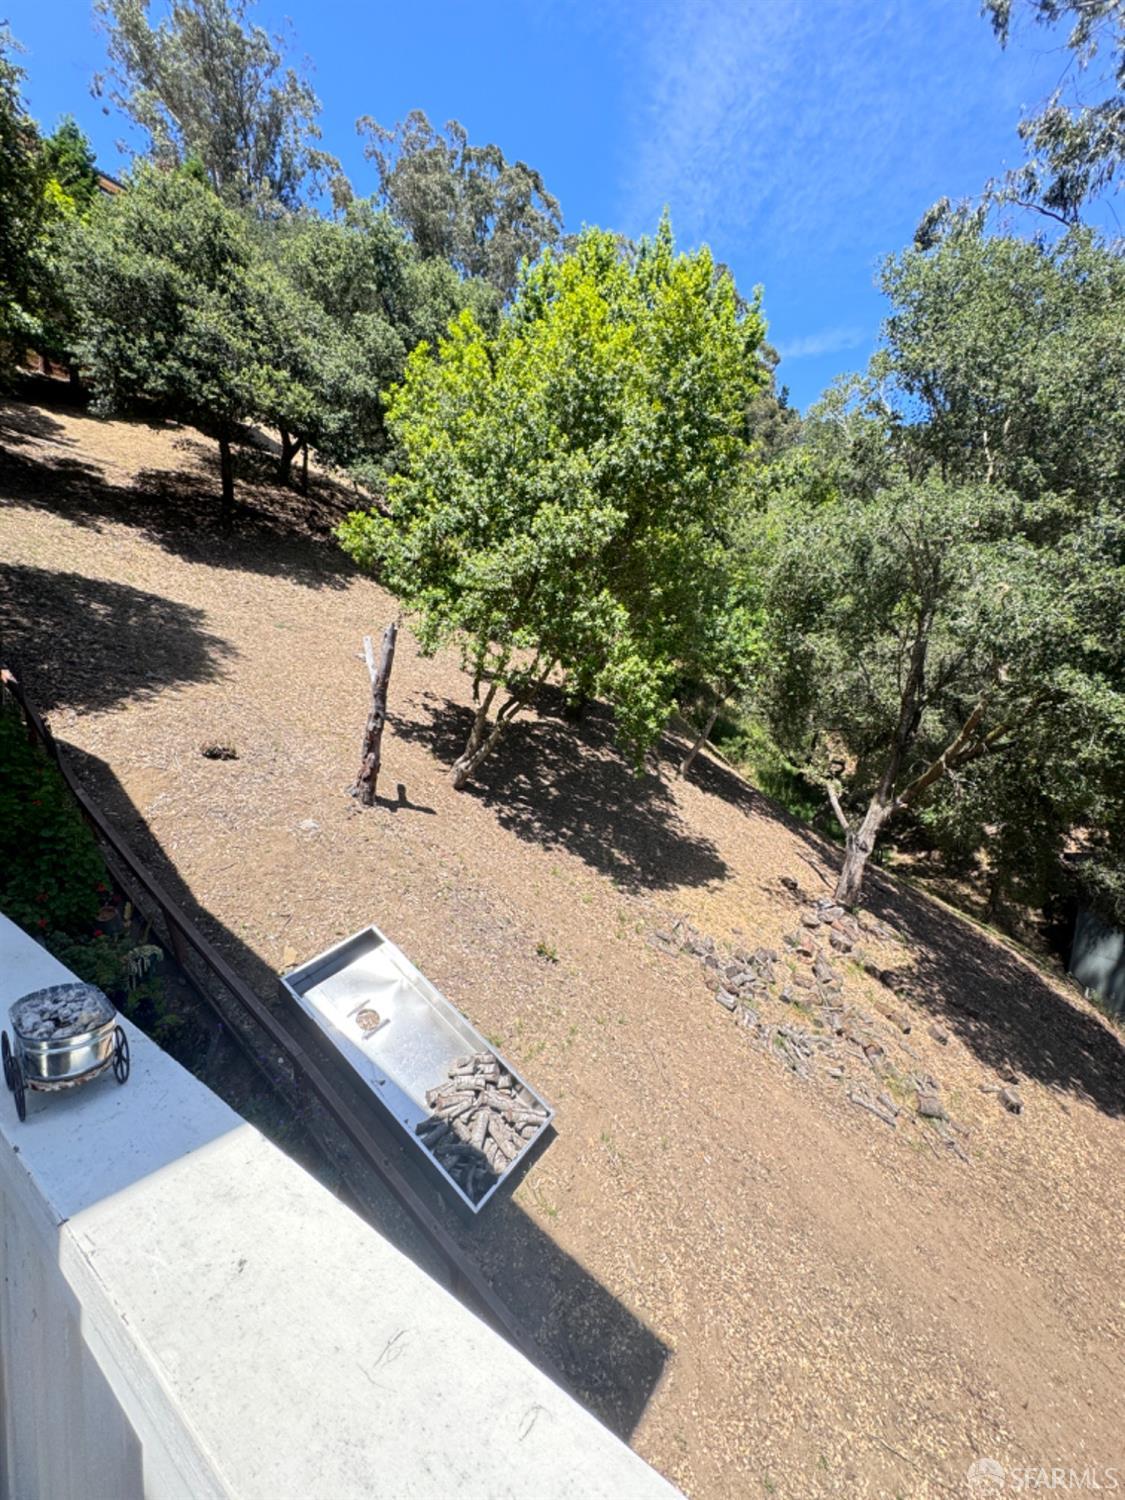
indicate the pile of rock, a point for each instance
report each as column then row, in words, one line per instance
column 825, row 1034
column 61, row 1011
column 482, row 1119
column 737, row 979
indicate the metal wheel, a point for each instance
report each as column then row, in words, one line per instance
column 6, row 1053
column 120, row 1055
column 17, row 1087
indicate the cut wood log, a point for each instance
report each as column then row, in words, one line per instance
column 481, row 1121
column 367, row 779
column 876, row 1109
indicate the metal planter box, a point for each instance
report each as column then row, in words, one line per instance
column 418, row 1037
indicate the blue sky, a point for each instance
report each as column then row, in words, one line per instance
column 802, row 139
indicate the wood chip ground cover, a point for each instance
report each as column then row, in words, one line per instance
column 762, row 1285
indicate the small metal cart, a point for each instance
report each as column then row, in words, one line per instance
column 65, row 1035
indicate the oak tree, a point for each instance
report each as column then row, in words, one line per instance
column 946, row 597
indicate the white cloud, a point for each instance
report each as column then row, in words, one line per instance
column 827, row 341
column 788, row 119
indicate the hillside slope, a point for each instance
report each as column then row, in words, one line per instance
column 767, row 1288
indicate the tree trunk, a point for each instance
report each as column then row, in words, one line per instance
column 368, row 776
column 226, row 470
column 466, row 764
column 701, row 738
column 482, row 740
column 477, row 745
column 859, row 848
column 289, row 448
column 305, row 467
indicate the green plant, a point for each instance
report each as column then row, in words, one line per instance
column 565, row 484
column 50, row 867
column 746, row 741
column 547, row 951
column 124, row 969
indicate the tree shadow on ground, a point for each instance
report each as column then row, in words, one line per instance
column 998, row 1002
column 566, row 786
column 277, row 531
column 612, row 1361
column 973, row 984
column 22, row 426
column 88, row 644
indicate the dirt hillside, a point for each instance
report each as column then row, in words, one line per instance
column 766, row 1287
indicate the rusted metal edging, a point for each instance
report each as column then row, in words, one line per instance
column 465, row 1278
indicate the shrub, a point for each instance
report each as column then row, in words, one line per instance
column 50, row 866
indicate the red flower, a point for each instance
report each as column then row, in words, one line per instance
column 42, row 921
column 98, row 932
column 41, row 895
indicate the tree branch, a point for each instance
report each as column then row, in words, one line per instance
column 949, row 757
column 834, row 799
column 962, row 750
column 1039, row 209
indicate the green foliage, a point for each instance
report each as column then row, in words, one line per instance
column 463, row 204
column 70, row 189
column 22, row 209
column 53, row 878
column 1076, row 145
column 123, row 969
column 949, row 575
column 179, row 314
column 206, row 86
column 1075, row 142
column 774, row 425
column 565, row 485
column 359, row 300
column 68, row 159
column 746, row 741
column 161, row 283
column 50, row 867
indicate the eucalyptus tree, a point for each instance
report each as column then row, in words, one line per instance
column 564, row 485
column 949, row 581
column 204, row 84
column 461, row 203
column 1075, row 142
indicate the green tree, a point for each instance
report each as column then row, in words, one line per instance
column 1075, row 142
column 69, row 163
column 461, row 203
column 372, row 300
column 175, row 312
column 206, row 85
column 564, row 485
column 1076, row 145
column 22, row 208
column 774, row 424
column 70, row 190
column 946, row 598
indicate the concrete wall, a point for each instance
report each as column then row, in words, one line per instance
column 184, row 1312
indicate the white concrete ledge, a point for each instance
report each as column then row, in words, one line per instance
column 186, row 1312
